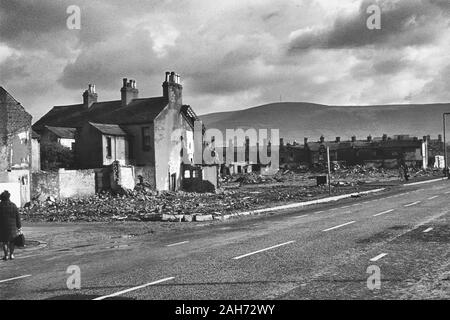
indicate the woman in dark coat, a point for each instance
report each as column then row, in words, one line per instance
column 10, row 224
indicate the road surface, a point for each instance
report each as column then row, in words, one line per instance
column 322, row 252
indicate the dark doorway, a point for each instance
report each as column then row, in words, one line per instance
column 173, row 182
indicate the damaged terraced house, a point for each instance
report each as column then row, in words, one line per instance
column 131, row 139
column 19, row 149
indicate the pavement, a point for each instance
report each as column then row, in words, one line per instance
column 392, row 245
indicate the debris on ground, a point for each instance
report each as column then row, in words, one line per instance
column 241, row 192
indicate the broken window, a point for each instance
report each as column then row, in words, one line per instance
column 146, row 139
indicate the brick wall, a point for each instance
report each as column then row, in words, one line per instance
column 13, row 120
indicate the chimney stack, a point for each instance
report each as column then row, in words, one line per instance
column 89, row 96
column 353, row 138
column 172, row 88
column 369, row 138
column 281, row 142
column 322, row 139
column 305, row 141
column 439, row 137
column 128, row 92
column 338, row 139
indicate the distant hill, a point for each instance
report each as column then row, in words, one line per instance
column 297, row 120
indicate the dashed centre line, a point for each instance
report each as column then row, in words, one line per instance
column 134, row 289
column 262, row 250
column 431, row 198
column 177, row 244
column 339, row 226
column 16, row 278
column 384, row 212
column 427, row 230
column 412, row 204
column 378, row 257
column 302, row 216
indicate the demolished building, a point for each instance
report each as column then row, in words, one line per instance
column 154, row 135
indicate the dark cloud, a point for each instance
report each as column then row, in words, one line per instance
column 403, row 23
column 390, row 63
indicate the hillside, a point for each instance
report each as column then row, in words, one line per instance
column 297, row 120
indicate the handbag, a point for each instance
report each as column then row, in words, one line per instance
column 19, row 241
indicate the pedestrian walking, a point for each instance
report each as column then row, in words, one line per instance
column 10, row 225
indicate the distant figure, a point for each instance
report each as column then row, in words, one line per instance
column 403, row 169
column 10, row 225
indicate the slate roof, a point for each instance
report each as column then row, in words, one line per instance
column 109, row 129
column 359, row 144
column 62, row 132
column 110, row 112
column 136, row 112
column 189, row 115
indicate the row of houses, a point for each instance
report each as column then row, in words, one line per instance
column 382, row 151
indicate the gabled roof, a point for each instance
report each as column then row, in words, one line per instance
column 110, row 112
column 109, row 129
column 62, row 132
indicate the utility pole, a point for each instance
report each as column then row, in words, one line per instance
column 329, row 170
column 445, row 146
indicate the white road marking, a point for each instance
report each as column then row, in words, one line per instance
column 431, row 198
column 423, row 182
column 341, row 225
column 412, row 204
column 344, row 207
column 133, row 289
column 303, row 215
column 16, row 278
column 378, row 257
column 427, row 230
column 365, row 202
column 319, row 211
column 384, row 212
column 262, row 250
column 447, row 192
column 177, row 244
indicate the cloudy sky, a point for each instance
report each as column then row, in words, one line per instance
column 231, row 54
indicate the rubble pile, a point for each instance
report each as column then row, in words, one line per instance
column 145, row 204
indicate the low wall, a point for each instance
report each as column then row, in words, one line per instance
column 62, row 184
column 14, row 189
column 76, row 183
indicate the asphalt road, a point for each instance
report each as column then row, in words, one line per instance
column 321, row 252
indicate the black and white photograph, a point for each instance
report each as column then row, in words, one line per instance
column 226, row 158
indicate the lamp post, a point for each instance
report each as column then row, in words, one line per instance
column 445, row 145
